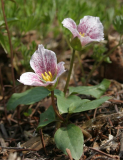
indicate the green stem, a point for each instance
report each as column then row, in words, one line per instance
column 54, row 107
column 97, row 65
column 69, row 74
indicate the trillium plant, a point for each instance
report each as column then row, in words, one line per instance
column 68, row 136
column 47, row 71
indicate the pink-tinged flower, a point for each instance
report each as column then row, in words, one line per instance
column 44, row 64
column 89, row 29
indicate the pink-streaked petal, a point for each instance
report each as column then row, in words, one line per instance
column 31, row 79
column 50, row 61
column 85, row 40
column 92, row 27
column 60, row 69
column 43, row 60
column 71, row 25
column 37, row 60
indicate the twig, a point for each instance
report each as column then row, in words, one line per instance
column 121, row 146
column 2, row 92
column 87, row 116
column 18, row 114
column 100, row 152
column 95, row 113
column 18, row 148
column 110, row 122
column 102, row 147
column 42, row 141
column 10, row 43
column 2, row 127
column 120, row 127
column 69, row 153
column 116, row 108
column 100, row 157
column 34, row 110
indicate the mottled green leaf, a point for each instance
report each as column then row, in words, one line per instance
column 87, row 105
column 95, row 91
column 70, row 137
column 47, row 117
column 28, row 97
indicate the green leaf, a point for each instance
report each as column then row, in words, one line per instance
column 64, row 103
column 28, row 112
column 95, row 91
column 76, row 44
column 28, row 97
column 118, row 24
column 9, row 20
column 47, row 117
column 2, row 42
column 88, row 105
column 58, row 93
column 70, row 137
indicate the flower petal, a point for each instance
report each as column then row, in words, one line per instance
column 71, row 25
column 43, row 60
column 60, row 70
column 50, row 61
column 31, row 79
column 92, row 27
column 85, row 40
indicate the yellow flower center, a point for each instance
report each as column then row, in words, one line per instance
column 47, row 76
column 82, row 34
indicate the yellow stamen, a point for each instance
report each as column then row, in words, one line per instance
column 46, row 76
column 50, row 74
column 43, row 76
column 82, row 34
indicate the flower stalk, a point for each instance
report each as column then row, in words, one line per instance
column 54, row 107
column 69, row 74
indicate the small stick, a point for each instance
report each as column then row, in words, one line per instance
column 10, row 43
column 102, row 147
column 121, row 146
column 87, row 116
column 2, row 91
column 42, row 141
column 69, row 153
column 110, row 122
column 100, row 152
column 118, row 130
column 18, row 113
column 35, row 109
column 3, row 129
column 119, row 127
column 116, row 108
column 18, row 148
column 95, row 113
